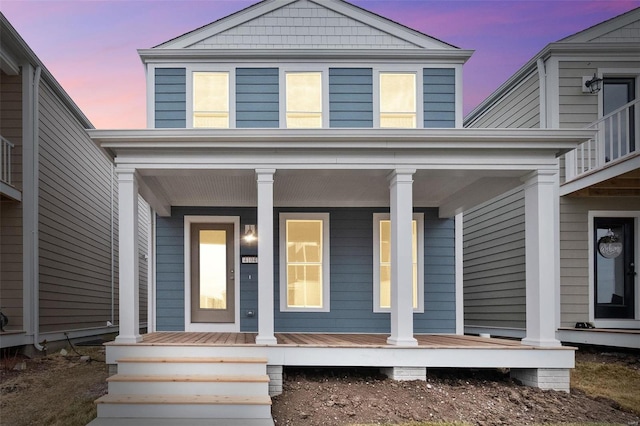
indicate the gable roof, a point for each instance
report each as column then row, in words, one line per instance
column 621, row 28
column 305, row 25
column 620, row 34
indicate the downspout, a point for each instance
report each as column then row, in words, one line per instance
column 35, row 225
column 542, row 78
column 113, row 264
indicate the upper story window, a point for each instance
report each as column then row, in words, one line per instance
column 398, row 100
column 304, row 99
column 211, row 99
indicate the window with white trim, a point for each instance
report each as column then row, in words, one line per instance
column 398, row 106
column 303, row 99
column 304, row 262
column 382, row 262
column 211, row 99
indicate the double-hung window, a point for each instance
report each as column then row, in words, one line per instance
column 303, row 99
column 382, row 262
column 398, row 100
column 304, row 262
column 211, row 99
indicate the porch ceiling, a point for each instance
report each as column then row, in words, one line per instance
column 324, row 188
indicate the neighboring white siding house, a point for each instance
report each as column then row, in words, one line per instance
column 59, row 222
column 597, row 188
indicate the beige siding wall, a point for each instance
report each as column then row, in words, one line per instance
column 75, row 223
column 494, row 263
column 578, row 109
column 11, row 211
column 574, row 252
column 518, row 109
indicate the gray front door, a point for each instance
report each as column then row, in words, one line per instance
column 212, row 273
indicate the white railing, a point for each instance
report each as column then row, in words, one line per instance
column 616, row 138
column 5, row 160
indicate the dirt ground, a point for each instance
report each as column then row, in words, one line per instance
column 59, row 390
column 478, row 397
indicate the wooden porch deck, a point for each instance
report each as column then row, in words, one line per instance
column 323, row 340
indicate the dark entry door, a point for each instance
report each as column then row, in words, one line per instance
column 614, row 268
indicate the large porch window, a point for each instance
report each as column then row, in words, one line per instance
column 382, row 262
column 304, row 262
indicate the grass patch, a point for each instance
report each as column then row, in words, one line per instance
column 613, row 381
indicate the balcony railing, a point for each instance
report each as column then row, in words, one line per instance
column 6, row 149
column 616, row 138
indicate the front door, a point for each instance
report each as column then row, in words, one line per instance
column 212, row 273
column 614, row 268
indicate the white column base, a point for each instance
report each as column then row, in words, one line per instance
column 558, row 379
column 405, row 373
column 396, row 341
column 546, row 343
column 128, row 339
column 266, row 340
column 275, row 379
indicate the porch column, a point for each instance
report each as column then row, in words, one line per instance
column 129, row 316
column 265, row 257
column 542, row 239
column 401, row 203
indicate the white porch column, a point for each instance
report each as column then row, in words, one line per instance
column 401, row 192
column 541, row 234
column 265, row 257
column 129, row 318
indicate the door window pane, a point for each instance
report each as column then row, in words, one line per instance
column 213, row 269
column 304, row 99
column 211, row 99
column 398, row 100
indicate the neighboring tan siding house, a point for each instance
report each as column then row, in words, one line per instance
column 64, row 280
column 590, row 189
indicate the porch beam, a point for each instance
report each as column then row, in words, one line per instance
column 542, row 241
column 264, row 179
column 128, row 262
column 401, row 202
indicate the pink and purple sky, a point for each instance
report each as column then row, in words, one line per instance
column 90, row 46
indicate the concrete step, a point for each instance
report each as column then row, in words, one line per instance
column 192, row 366
column 184, row 406
column 235, row 385
column 179, row 422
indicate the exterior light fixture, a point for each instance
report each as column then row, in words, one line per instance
column 250, row 233
column 592, row 85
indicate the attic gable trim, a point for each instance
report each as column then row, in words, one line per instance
column 223, row 24
column 452, row 56
column 394, row 29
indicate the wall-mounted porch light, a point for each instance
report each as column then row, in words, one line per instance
column 250, row 233
column 592, row 84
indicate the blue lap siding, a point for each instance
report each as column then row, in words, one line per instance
column 439, row 88
column 351, row 256
column 170, row 98
column 257, row 98
column 350, row 97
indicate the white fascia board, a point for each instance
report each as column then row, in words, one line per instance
column 453, row 56
column 560, row 139
column 8, row 64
